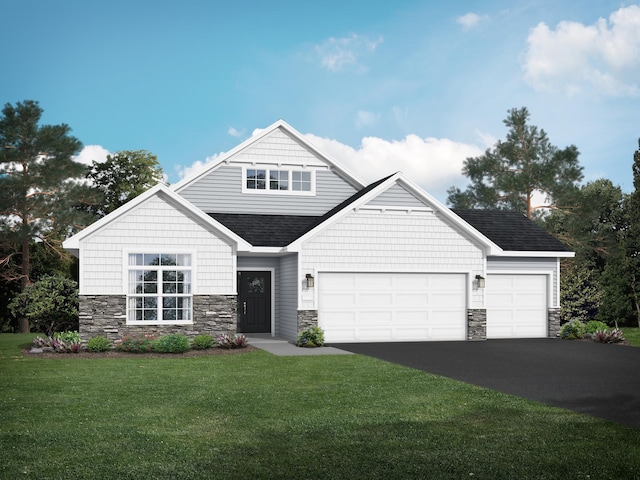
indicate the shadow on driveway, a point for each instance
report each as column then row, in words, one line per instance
column 586, row 377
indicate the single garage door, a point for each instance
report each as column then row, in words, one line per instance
column 516, row 306
column 392, row 307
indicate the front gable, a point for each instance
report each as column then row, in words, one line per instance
column 276, row 172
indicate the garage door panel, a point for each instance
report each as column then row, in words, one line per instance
column 516, row 305
column 406, row 306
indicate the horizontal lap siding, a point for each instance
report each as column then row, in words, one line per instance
column 220, row 191
column 527, row 265
column 396, row 196
column 371, row 241
column 287, row 321
column 159, row 226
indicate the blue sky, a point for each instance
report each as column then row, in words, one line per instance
column 407, row 85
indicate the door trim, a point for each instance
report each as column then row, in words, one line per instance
column 272, row 272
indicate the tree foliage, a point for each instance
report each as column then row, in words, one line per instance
column 122, row 177
column 580, row 295
column 50, row 304
column 508, row 175
column 40, row 186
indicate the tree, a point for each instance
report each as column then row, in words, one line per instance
column 122, row 177
column 512, row 172
column 594, row 226
column 40, row 184
column 50, row 304
column 632, row 237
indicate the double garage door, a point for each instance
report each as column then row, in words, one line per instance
column 396, row 307
column 392, row 307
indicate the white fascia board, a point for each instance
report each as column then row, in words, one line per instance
column 347, row 175
column 73, row 243
column 534, row 254
column 490, row 247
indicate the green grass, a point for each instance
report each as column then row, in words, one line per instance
column 255, row 416
column 632, row 334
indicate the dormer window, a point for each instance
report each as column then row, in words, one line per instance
column 278, row 180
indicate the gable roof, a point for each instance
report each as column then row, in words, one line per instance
column 73, row 243
column 348, row 176
column 512, row 231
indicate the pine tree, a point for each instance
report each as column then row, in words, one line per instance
column 510, row 174
column 40, row 186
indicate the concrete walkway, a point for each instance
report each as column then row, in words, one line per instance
column 283, row 348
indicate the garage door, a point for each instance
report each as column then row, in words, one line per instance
column 392, row 307
column 516, row 306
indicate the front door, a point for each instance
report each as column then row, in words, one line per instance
column 254, row 302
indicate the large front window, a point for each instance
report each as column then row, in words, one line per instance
column 159, row 288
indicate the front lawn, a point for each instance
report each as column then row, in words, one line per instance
column 254, row 416
column 632, row 334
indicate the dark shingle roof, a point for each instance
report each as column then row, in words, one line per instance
column 280, row 230
column 511, row 231
column 266, row 230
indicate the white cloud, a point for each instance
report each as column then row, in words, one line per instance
column 90, row 153
column 184, row 172
column 234, row 132
column 602, row 58
column 366, row 119
column 433, row 163
column 470, row 20
column 337, row 54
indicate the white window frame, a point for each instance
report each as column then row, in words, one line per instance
column 267, row 190
column 159, row 295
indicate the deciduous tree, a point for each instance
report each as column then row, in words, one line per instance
column 122, row 177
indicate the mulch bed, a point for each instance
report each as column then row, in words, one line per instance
column 116, row 354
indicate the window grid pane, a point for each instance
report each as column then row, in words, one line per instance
column 160, row 294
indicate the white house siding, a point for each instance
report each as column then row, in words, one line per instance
column 278, row 148
column 396, row 195
column 221, row 191
column 155, row 225
column 528, row 265
column 391, row 241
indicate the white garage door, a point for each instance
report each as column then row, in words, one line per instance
column 392, row 307
column 516, row 306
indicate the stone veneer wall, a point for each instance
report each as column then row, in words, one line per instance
column 477, row 324
column 553, row 322
column 307, row 318
column 106, row 315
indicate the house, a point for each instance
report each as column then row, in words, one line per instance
column 275, row 236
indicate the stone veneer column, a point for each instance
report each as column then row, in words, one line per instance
column 553, row 322
column 307, row 318
column 106, row 315
column 476, row 324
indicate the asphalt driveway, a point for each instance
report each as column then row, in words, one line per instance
column 586, row 377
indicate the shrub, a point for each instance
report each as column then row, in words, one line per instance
column 312, row 336
column 203, row 342
column 98, row 344
column 49, row 304
column 135, row 344
column 174, row 343
column 61, row 342
column 573, row 330
column 608, row 336
column 594, row 325
column 227, row 340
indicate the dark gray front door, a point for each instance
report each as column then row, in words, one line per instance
column 254, row 302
